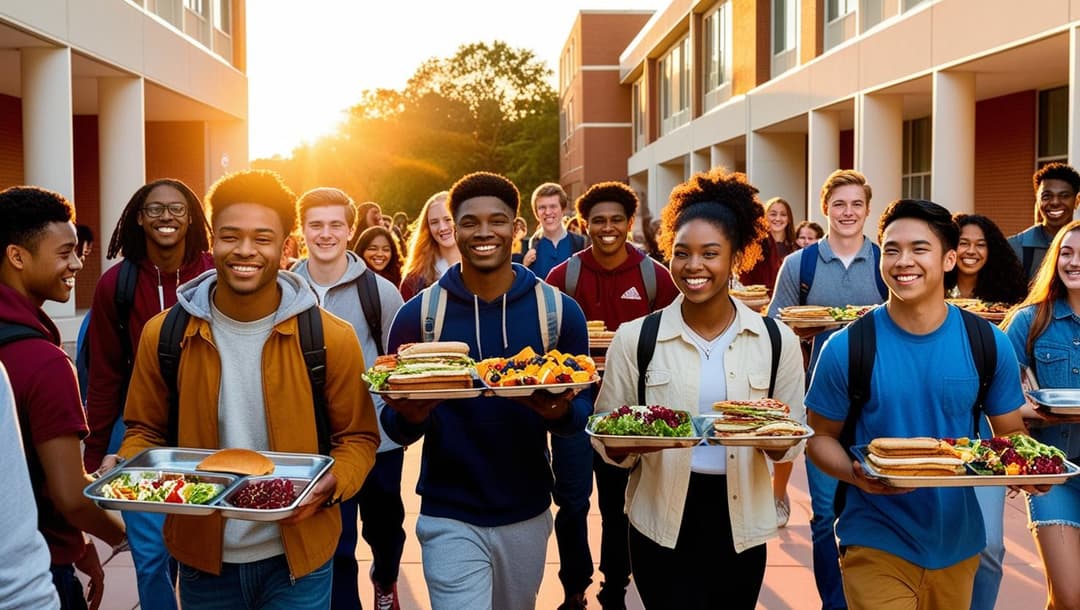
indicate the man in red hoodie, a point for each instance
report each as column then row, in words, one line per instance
column 164, row 238
column 608, row 281
column 38, row 264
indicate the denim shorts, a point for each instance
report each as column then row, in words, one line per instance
column 1060, row 506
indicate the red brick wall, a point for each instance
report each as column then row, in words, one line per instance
column 88, row 204
column 177, row 149
column 1005, row 159
column 11, row 141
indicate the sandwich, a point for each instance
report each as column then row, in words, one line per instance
column 237, row 461
column 753, row 291
column 765, row 417
column 806, row 312
column 919, row 456
column 437, row 365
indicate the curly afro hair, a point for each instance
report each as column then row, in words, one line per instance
column 261, row 186
column 601, row 192
column 724, row 199
column 483, row 184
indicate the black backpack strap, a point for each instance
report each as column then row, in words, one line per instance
column 650, row 329
column 11, row 332
column 882, row 289
column 367, row 287
column 309, row 323
column 1029, row 257
column 807, row 269
column 862, row 344
column 172, row 334
column 984, row 353
column 774, row 340
column 125, row 301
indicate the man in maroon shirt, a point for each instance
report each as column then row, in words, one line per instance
column 610, row 286
column 163, row 234
column 37, row 239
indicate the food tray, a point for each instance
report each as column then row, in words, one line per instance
column 517, row 391
column 437, row 394
column 1062, row 401
column 229, row 511
column 965, row 480
column 297, row 466
column 752, row 440
column 619, row 441
column 754, row 302
column 814, row 322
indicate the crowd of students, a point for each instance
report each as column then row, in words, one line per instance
column 216, row 276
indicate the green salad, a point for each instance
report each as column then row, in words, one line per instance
column 652, row 420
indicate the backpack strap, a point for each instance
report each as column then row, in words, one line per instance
column 648, row 276
column 577, row 242
column 1029, row 258
column 646, row 346
column 862, row 346
column 368, row 289
column 984, row 354
column 882, row 289
column 573, row 272
column 433, row 308
column 549, row 307
column 125, row 301
column 172, row 334
column 807, row 268
column 313, row 346
column 774, row 341
column 11, row 332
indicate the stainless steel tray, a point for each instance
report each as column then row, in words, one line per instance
column 619, row 441
column 302, row 486
column 94, row 491
column 965, row 480
column 751, row 440
column 1062, row 401
column 306, row 467
column 447, row 394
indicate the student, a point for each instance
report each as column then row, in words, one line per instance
column 432, row 249
column 552, row 243
column 808, row 232
column 779, row 243
column 164, row 238
column 707, row 503
column 609, row 267
column 338, row 276
column 379, row 249
column 37, row 240
column 1043, row 331
column 908, row 548
column 241, row 366
column 485, row 479
column 1056, row 187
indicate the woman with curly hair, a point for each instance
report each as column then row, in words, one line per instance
column 711, row 229
column 432, row 247
column 987, row 268
column 380, row 251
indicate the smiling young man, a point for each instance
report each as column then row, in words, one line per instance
column 485, row 479
column 1056, row 188
column 348, row 288
column 918, row 549
column 554, row 244
column 242, row 381
column 37, row 240
column 844, row 273
column 610, row 267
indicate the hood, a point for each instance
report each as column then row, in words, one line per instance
column 633, row 260
column 17, row 309
column 296, row 295
column 356, row 267
column 523, row 286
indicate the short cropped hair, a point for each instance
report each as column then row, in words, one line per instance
column 1056, row 171
column 839, row 178
column 601, row 192
column 27, row 211
column 324, row 196
column 940, row 219
column 260, row 186
column 482, row 184
column 548, row 189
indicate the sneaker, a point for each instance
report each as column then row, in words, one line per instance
column 386, row 598
column 574, row 602
column 783, row 511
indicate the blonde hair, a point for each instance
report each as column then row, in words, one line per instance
column 839, row 178
column 423, row 250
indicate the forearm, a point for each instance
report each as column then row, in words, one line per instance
column 828, row 455
column 88, row 517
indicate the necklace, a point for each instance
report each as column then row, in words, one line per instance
column 707, row 347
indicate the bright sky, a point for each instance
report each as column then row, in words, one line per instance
column 308, row 61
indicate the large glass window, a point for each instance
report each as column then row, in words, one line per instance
column 674, row 69
column 784, row 23
column 915, row 174
column 716, row 53
column 223, row 15
column 638, row 112
column 834, row 9
column 196, row 6
column 1053, row 125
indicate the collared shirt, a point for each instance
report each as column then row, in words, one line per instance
column 656, row 493
column 550, row 253
column 1036, row 240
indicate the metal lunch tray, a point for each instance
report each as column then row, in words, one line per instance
column 1062, row 401
column 621, row 441
column 516, row 391
column 438, row 394
column 93, row 491
column 964, row 480
column 752, row 440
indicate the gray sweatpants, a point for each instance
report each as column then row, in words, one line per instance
column 497, row 568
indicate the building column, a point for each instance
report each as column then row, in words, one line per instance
column 723, row 156
column 823, row 158
column 48, row 145
column 952, row 149
column 776, row 165
column 879, row 149
column 1074, row 96
column 121, row 148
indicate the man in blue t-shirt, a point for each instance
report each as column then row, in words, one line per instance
column 904, row 547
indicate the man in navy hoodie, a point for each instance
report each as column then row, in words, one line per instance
column 485, row 479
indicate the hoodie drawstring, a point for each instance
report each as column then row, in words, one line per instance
column 476, row 316
column 506, row 343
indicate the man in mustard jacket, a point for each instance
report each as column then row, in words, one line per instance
column 243, row 382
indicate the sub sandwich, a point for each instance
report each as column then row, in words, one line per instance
column 437, row 365
column 919, row 456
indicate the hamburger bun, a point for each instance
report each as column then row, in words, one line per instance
column 433, row 349
column 805, row 311
column 237, row 461
column 922, row 446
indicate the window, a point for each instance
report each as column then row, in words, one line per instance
column 716, row 55
column 783, row 25
column 835, row 9
column 910, row 4
column 1053, row 126
column 915, row 174
column 196, row 6
column 674, row 69
column 567, row 67
column 638, row 115
column 223, row 15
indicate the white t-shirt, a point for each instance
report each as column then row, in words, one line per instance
column 711, row 459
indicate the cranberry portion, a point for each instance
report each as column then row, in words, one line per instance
column 265, row 495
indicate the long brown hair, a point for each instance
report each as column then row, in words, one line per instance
column 789, row 230
column 1046, row 288
column 423, row 250
column 392, row 271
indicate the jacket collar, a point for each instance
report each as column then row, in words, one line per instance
column 671, row 323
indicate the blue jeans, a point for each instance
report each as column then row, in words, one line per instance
column 988, row 576
column 571, row 462
column 155, row 569
column 68, row 587
column 263, row 585
column 826, row 555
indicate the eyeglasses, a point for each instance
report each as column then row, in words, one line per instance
column 176, row 210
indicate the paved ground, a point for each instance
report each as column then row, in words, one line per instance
column 789, row 582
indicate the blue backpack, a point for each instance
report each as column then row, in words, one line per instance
column 808, row 266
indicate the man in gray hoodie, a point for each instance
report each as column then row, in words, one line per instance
column 351, row 291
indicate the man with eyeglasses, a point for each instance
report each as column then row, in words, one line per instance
column 163, row 237
column 1056, row 187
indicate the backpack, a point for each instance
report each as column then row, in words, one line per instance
column 648, row 275
column 1029, row 258
column 646, row 346
column 548, row 304
column 808, row 266
column 309, row 324
column 11, row 332
column 577, row 242
column 368, row 289
column 862, row 346
column 124, row 297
